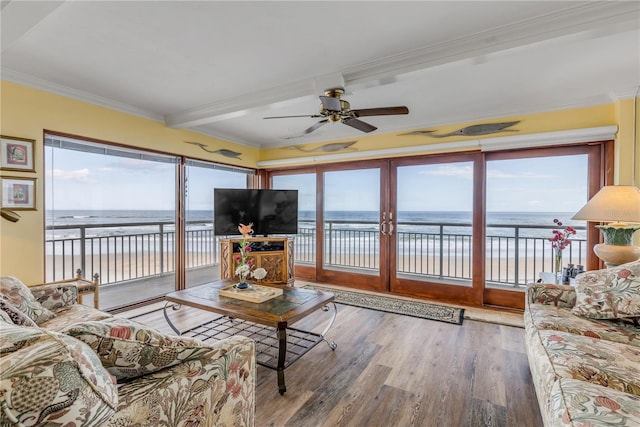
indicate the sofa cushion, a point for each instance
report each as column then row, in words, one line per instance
column 18, row 295
column 17, row 317
column 75, row 313
column 610, row 293
column 592, row 360
column 541, row 316
column 576, row 403
column 4, row 317
column 128, row 349
column 51, row 379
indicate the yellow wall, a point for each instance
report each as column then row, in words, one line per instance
column 579, row 118
column 27, row 112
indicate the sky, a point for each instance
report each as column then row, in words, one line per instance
column 94, row 181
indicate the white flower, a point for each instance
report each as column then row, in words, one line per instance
column 259, row 273
column 243, row 269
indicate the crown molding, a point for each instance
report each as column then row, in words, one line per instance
column 58, row 89
column 543, row 139
column 628, row 93
column 533, row 140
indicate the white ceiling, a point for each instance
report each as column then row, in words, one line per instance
column 219, row 67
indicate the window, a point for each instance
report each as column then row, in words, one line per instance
column 305, row 183
column 110, row 211
column 202, row 255
column 524, row 196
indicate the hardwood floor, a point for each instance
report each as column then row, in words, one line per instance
column 393, row 370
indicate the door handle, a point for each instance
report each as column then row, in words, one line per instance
column 390, row 223
column 383, row 228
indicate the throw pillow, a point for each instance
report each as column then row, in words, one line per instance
column 50, row 379
column 16, row 316
column 19, row 295
column 612, row 293
column 128, row 349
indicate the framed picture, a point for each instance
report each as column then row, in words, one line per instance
column 16, row 154
column 18, row 193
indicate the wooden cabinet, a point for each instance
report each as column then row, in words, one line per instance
column 274, row 254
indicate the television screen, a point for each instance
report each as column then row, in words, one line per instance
column 270, row 211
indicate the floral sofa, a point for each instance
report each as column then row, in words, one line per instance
column 66, row 364
column 583, row 345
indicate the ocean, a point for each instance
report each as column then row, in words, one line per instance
column 419, row 235
column 499, row 223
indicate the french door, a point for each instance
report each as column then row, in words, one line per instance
column 444, row 226
column 401, row 226
column 437, row 204
column 354, row 226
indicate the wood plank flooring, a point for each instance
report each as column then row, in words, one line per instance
column 393, row 370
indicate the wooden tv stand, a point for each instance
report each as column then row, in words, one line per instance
column 274, row 254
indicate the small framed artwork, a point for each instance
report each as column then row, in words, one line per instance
column 16, row 154
column 18, row 193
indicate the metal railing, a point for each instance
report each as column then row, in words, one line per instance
column 515, row 254
column 125, row 251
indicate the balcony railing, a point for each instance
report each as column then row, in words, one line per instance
column 515, row 254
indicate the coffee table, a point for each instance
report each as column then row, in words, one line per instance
column 277, row 344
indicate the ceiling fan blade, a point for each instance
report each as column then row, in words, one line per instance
column 384, row 111
column 330, row 103
column 308, row 130
column 289, row 117
column 359, row 124
column 314, row 127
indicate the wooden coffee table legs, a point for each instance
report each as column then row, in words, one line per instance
column 282, row 345
column 300, row 341
column 282, row 353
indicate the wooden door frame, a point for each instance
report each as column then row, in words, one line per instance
column 436, row 290
column 376, row 283
column 601, row 160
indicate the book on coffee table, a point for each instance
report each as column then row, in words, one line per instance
column 256, row 293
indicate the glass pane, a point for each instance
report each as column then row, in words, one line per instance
column 433, row 234
column 524, row 196
column 305, row 243
column 351, row 221
column 113, row 216
column 202, row 257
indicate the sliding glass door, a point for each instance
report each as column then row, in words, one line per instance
column 110, row 211
column 354, row 226
column 202, row 258
column 305, row 240
column 434, row 225
column 525, row 192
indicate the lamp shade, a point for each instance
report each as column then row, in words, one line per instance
column 619, row 203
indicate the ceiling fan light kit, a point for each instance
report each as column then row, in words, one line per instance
column 335, row 109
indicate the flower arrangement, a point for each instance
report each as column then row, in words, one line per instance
column 244, row 264
column 560, row 240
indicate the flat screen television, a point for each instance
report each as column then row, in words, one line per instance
column 270, row 211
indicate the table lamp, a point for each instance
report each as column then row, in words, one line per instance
column 620, row 204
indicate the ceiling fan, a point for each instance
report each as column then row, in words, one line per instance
column 336, row 109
